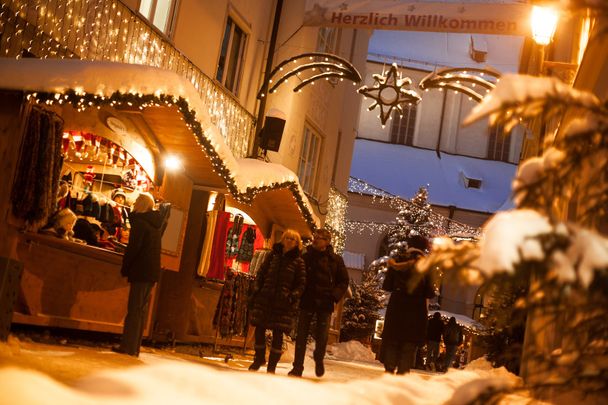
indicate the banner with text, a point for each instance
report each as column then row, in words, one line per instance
column 481, row 18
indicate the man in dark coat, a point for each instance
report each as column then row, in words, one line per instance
column 141, row 266
column 406, row 314
column 278, row 287
column 433, row 336
column 326, row 284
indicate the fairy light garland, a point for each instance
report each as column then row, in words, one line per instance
column 82, row 101
column 108, row 30
column 380, row 196
column 335, row 221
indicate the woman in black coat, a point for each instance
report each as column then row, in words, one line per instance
column 141, row 266
column 405, row 322
column 279, row 285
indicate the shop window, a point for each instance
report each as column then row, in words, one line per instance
column 309, row 160
column 231, row 56
column 403, row 126
column 161, row 13
column 499, row 144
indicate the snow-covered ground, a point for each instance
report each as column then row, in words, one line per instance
column 164, row 379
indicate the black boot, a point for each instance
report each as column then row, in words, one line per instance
column 273, row 359
column 259, row 358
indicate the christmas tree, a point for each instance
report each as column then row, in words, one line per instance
column 361, row 310
column 413, row 219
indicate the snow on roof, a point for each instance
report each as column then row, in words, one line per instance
column 354, row 260
column 401, row 170
column 427, row 50
column 104, row 78
column 461, row 320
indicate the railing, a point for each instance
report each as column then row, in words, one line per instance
column 108, row 30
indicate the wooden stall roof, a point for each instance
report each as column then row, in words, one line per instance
column 275, row 206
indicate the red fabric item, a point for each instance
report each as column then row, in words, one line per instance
column 218, row 251
column 257, row 244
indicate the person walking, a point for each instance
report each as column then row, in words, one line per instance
column 433, row 335
column 406, row 320
column 279, row 284
column 326, row 283
column 452, row 337
column 141, row 266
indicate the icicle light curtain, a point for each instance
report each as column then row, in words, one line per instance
column 106, row 30
column 39, row 167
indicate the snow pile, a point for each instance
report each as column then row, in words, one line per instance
column 185, row 383
column 353, row 350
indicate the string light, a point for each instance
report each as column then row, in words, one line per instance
column 335, row 221
column 458, row 79
column 73, row 30
column 380, row 196
column 395, row 95
column 337, row 67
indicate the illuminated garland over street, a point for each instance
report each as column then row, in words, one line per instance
column 458, row 79
column 330, row 66
column 381, row 196
column 81, row 101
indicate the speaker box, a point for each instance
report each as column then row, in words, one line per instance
column 272, row 133
column 10, row 278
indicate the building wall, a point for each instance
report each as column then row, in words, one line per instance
column 453, row 137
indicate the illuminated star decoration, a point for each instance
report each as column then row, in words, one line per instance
column 389, row 93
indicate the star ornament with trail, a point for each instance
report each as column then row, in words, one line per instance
column 390, row 92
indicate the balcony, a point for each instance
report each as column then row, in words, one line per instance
column 107, row 30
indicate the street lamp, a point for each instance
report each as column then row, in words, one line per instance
column 544, row 22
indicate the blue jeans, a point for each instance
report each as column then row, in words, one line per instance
column 321, row 333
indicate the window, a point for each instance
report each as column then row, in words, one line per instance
column 327, row 39
column 499, row 144
column 309, row 160
column 231, row 56
column 160, row 12
column 403, row 126
column 472, row 183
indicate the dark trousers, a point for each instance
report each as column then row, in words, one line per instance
column 260, row 339
column 400, row 356
column 139, row 298
column 320, row 335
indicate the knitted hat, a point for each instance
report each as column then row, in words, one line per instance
column 118, row 191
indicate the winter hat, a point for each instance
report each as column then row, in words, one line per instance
column 118, row 191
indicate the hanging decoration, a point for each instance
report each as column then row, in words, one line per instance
column 389, row 93
column 472, row 82
column 309, row 67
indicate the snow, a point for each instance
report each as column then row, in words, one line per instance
column 387, row 166
column 352, row 350
column 188, row 383
column 105, row 78
column 509, row 239
column 503, row 236
column 522, row 89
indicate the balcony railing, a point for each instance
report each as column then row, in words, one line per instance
column 108, row 30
